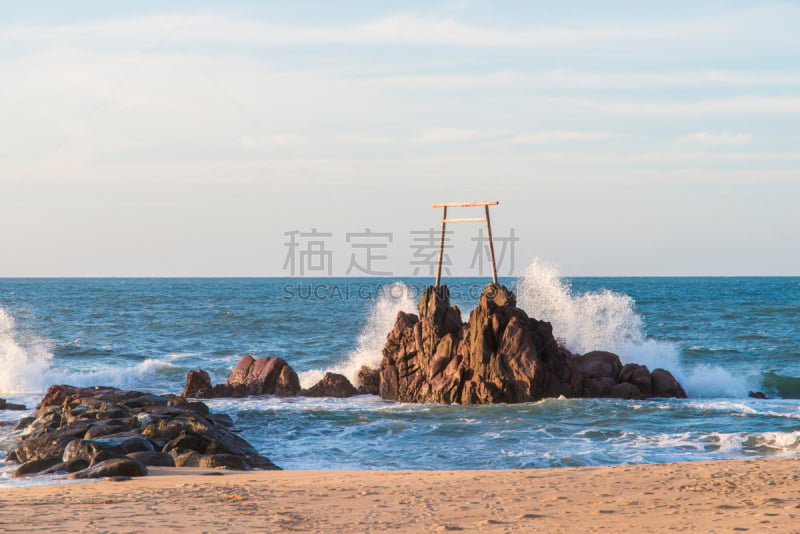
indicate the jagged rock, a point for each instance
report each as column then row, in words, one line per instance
column 499, row 355
column 112, row 467
column 332, row 385
column 198, row 385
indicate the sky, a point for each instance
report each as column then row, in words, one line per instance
column 214, row 139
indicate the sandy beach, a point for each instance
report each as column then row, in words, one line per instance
column 738, row 495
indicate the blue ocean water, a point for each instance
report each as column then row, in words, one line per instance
column 722, row 337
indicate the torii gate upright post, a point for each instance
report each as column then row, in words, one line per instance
column 445, row 220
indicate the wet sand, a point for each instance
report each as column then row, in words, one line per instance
column 730, row 496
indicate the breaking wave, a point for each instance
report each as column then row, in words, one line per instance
column 26, row 365
column 607, row 320
column 369, row 347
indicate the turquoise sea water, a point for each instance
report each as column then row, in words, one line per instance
column 722, row 337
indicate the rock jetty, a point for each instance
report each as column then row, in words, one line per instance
column 105, row 432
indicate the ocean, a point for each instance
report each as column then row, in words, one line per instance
column 721, row 337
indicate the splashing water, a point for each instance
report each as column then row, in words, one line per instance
column 23, row 359
column 368, row 351
column 26, row 365
column 605, row 320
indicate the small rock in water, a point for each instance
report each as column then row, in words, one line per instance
column 5, row 405
column 332, row 385
column 370, row 380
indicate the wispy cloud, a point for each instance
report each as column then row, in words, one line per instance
column 745, row 105
column 586, row 80
column 717, row 139
column 454, row 135
column 560, row 136
column 278, row 140
column 391, row 30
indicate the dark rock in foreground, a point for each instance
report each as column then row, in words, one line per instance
column 106, row 432
column 500, row 355
column 113, row 467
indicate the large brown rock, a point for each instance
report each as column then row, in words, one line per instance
column 263, row 376
column 499, row 355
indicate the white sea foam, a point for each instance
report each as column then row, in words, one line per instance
column 26, row 365
column 605, row 320
column 779, row 441
column 392, row 299
column 24, row 358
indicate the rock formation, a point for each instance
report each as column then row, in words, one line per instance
column 103, row 431
column 273, row 376
column 262, row 376
column 500, row 355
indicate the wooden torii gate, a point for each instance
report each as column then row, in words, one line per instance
column 445, row 220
